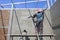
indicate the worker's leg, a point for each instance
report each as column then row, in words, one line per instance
column 41, row 29
column 37, row 32
column 37, row 27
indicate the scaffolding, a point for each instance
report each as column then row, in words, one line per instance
column 13, row 11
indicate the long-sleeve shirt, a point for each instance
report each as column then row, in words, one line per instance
column 39, row 16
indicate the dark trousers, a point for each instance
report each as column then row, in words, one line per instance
column 39, row 26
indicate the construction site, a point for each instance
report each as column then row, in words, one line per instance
column 14, row 20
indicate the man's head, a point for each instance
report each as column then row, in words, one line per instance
column 25, row 31
column 39, row 10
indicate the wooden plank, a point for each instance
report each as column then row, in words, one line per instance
column 42, row 35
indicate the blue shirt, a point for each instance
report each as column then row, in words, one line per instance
column 39, row 16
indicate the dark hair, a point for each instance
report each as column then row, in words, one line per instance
column 39, row 12
column 25, row 31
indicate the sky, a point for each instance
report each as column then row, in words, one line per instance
column 40, row 4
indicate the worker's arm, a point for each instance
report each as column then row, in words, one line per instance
column 44, row 9
column 34, row 16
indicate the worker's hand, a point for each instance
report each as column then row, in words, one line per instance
column 29, row 16
column 44, row 9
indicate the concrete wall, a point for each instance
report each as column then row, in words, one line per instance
column 27, row 24
column 5, row 14
column 48, row 14
column 55, row 13
column 55, row 18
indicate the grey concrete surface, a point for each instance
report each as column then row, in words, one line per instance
column 55, row 18
column 55, row 13
column 27, row 24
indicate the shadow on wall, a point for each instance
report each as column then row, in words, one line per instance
column 56, row 27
